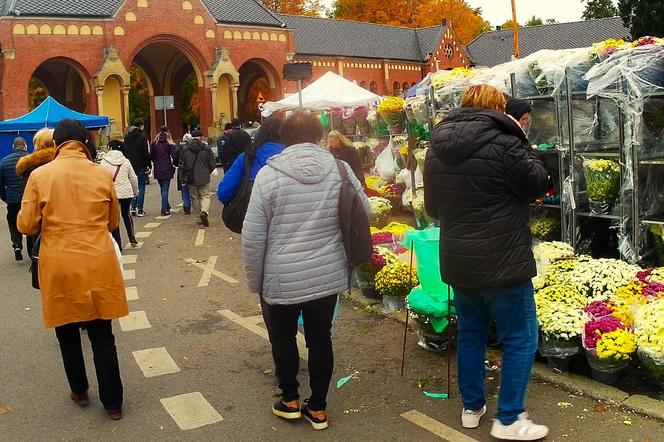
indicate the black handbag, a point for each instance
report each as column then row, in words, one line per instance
column 234, row 212
column 34, row 268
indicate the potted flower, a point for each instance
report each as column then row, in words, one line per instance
column 392, row 111
column 561, row 323
column 602, row 183
column 380, row 210
column 360, row 115
column 649, row 332
column 366, row 273
column 545, row 228
column 600, row 278
column 609, row 347
column 337, row 116
column 393, row 192
column 394, row 282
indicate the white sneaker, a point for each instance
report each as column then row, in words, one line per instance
column 522, row 429
column 471, row 419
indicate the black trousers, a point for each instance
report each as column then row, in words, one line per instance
column 16, row 236
column 100, row 333
column 317, row 316
column 125, row 205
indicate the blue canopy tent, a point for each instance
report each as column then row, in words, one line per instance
column 48, row 114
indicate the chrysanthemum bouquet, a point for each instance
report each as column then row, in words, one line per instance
column 396, row 280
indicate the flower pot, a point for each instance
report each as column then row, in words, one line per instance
column 553, row 347
column 393, row 304
column 653, row 366
column 371, row 293
column 559, row 365
column 605, row 371
column 600, row 207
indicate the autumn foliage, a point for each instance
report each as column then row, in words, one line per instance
column 467, row 21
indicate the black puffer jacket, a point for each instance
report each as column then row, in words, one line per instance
column 479, row 178
column 136, row 149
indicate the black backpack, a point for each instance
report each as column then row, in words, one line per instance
column 234, row 212
column 354, row 222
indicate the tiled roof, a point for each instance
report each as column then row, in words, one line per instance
column 327, row 37
column 496, row 47
column 225, row 11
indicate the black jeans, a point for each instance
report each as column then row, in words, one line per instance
column 125, row 205
column 16, row 236
column 100, row 333
column 317, row 316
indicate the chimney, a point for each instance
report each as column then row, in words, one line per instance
column 444, row 22
column 499, row 28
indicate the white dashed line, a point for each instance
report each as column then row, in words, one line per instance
column 155, row 362
column 200, row 238
column 129, row 259
column 129, row 275
column 143, row 234
column 435, row 427
column 175, row 210
column 134, row 321
column 162, row 217
column 131, row 293
column 191, row 411
column 137, row 246
column 151, row 225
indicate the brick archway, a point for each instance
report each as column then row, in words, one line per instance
column 252, row 72
column 68, row 82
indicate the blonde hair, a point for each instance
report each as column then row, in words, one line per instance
column 343, row 139
column 484, row 96
column 43, row 139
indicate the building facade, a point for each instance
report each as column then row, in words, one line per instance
column 82, row 52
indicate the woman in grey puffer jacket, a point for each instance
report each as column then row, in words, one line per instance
column 294, row 257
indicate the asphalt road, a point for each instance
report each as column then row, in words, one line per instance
column 214, row 371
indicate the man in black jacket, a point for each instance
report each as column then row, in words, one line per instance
column 231, row 144
column 11, row 192
column 137, row 151
column 479, row 178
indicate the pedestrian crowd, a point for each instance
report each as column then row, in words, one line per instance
column 292, row 196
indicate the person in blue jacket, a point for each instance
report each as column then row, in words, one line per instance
column 266, row 145
column 11, row 192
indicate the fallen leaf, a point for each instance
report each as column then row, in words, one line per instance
column 599, row 408
column 565, row 404
column 266, row 372
column 5, row 410
column 628, row 423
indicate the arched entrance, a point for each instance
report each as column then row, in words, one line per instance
column 257, row 80
column 64, row 80
column 166, row 67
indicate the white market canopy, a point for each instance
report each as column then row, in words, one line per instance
column 328, row 91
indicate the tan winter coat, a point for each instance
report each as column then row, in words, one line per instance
column 74, row 202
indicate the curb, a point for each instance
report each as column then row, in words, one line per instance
column 570, row 382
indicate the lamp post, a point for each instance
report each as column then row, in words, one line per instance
column 515, row 29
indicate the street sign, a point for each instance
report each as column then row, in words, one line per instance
column 164, row 102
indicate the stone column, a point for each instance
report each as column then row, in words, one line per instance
column 125, row 108
column 235, row 99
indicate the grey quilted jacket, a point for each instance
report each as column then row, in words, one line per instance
column 291, row 238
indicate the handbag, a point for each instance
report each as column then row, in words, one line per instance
column 234, row 212
column 34, row 267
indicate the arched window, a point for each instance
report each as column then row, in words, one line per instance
column 397, row 88
column 363, row 84
column 449, row 51
column 373, row 87
column 405, row 87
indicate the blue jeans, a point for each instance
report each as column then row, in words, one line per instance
column 165, row 186
column 513, row 308
column 186, row 196
column 137, row 203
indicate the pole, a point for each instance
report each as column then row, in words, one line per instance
column 405, row 330
column 515, row 28
column 449, row 344
column 299, row 90
column 165, row 120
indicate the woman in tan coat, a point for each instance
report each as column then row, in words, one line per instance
column 72, row 201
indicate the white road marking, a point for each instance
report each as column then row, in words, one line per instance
column 435, row 427
column 131, row 293
column 151, row 225
column 137, row 246
column 200, row 237
column 209, row 271
column 129, row 275
column 251, row 324
column 162, row 217
column 180, row 205
column 143, row 234
column 175, row 210
column 129, row 259
column 155, row 362
column 191, row 411
column 134, row 321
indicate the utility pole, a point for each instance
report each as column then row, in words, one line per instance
column 515, row 28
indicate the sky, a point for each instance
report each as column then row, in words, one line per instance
column 499, row 11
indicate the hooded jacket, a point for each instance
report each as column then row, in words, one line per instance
column 292, row 243
column 11, row 185
column 27, row 164
column 479, row 178
column 136, row 148
column 198, row 159
column 229, row 186
column 126, row 181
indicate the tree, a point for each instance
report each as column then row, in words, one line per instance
column 139, row 97
column 534, row 21
column 295, row 7
column 642, row 17
column 509, row 24
column 599, row 9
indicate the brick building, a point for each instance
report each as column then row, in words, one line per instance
column 81, row 52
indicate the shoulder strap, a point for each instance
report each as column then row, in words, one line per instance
column 342, row 170
column 117, row 171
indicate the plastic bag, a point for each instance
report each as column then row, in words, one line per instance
column 385, row 165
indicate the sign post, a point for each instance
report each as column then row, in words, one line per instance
column 165, row 103
column 298, row 72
